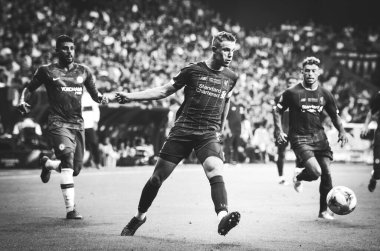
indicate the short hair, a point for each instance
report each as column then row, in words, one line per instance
column 62, row 39
column 311, row 61
column 222, row 36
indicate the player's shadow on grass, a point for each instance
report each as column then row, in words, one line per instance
column 343, row 224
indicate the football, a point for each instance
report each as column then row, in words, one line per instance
column 341, row 200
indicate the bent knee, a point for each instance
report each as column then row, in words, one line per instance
column 156, row 181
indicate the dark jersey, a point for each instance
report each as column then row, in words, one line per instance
column 306, row 107
column 375, row 106
column 206, row 92
column 64, row 90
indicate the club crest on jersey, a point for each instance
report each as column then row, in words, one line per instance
column 61, row 147
column 80, row 79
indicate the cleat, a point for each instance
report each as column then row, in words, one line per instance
column 326, row 215
column 297, row 184
column 228, row 222
column 45, row 172
column 372, row 184
column 132, row 226
column 73, row 215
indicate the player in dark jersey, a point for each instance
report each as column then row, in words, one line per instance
column 199, row 121
column 64, row 82
column 281, row 148
column 306, row 102
column 374, row 110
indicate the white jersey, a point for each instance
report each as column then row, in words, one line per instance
column 90, row 111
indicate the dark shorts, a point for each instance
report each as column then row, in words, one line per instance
column 180, row 144
column 376, row 141
column 66, row 140
column 311, row 145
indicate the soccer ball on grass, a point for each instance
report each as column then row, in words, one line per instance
column 341, row 200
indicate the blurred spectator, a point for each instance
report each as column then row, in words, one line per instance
column 91, row 116
column 28, row 133
column 109, row 155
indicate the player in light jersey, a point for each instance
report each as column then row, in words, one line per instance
column 64, row 82
column 207, row 87
column 306, row 102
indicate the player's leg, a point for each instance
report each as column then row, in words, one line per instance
column 375, row 175
column 161, row 172
column 64, row 141
column 211, row 156
column 324, row 187
column 280, row 162
column 311, row 170
column 171, row 154
column 79, row 152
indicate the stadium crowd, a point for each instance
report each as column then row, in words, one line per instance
column 134, row 44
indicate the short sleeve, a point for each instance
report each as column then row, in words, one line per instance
column 182, row 78
column 283, row 101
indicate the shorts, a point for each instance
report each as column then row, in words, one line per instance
column 311, row 145
column 180, row 144
column 66, row 140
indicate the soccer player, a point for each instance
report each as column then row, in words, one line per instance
column 199, row 121
column 64, row 82
column 306, row 102
column 281, row 148
column 374, row 109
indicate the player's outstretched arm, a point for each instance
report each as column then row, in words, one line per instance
column 23, row 107
column 149, row 94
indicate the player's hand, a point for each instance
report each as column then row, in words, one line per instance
column 364, row 131
column 342, row 139
column 23, row 108
column 282, row 138
column 104, row 99
column 122, row 97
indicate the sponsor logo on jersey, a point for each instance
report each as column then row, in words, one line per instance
column 211, row 91
column 78, row 90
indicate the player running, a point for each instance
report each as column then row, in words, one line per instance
column 374, row 109
column 64, row 83
column 307, row 138
column 199, row 121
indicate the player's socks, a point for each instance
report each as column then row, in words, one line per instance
column 221, row 214
column 140, row 216
column 53, row 164
column 67, row 186
column 148, row 194
column 218, row 193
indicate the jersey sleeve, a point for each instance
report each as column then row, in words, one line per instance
column 182, row 78
column 283, row 101
column 89, row 83
column 235, row 79
column 375, row 103
column 38, row 79
column 330, row 107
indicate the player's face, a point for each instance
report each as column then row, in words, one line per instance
column 66, row 52
column 224, row 53
column 310, row 73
